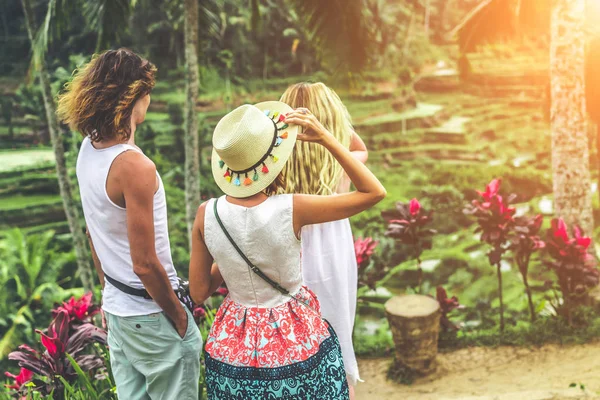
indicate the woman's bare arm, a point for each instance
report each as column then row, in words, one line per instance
column 309, row 209
column 205, row 277
column 358, row 148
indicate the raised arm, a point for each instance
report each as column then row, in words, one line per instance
column 137, row 180
column 358, row 148
column 360, row 152
column 309, row 209
column 205, row 277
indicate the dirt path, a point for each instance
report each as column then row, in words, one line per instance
column 504, row 373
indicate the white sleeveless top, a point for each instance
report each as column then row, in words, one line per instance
column 265, row 234
column 107, row 224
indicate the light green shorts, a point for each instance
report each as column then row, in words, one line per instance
column 150, row 361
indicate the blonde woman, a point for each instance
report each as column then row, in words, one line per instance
column 328, row 259
column 268, row 339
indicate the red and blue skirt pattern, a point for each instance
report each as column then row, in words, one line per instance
column 285, row 352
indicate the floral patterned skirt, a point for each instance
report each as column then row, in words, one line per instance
column 285, row 352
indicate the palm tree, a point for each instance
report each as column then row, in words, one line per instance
column 570, row 151
column 192, row 152
column 71, row 210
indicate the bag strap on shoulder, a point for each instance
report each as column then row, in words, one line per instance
column 253, row 267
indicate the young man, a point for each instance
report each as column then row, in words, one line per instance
column 154, row 344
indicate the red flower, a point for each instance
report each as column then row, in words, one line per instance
column 580, row 239
column 222, row 291
column 24, row 376
column 491, row 190
column 572, row 262
column 55, row 340
column 79, row 309
column 414, row 207
column 559, row 229
column 364, row 248
column 494, row 217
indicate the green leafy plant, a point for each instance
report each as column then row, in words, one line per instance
column 29, row 283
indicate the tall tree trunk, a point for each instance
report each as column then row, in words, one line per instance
column 597, row 127
column 570, row 151
column 71, row 210
column 192, row 160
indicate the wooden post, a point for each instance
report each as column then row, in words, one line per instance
column 415, row 324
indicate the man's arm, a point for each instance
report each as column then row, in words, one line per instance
column 136, row 176
column 95, row 258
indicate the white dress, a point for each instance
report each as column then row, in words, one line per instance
column 329, row 269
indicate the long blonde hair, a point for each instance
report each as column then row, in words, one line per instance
column 312, row 169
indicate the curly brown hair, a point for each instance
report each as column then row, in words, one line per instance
column 99, row 100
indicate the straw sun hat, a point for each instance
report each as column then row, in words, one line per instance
column 251, row 145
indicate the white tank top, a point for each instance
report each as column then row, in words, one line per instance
column 107, row 224
column 265, row 234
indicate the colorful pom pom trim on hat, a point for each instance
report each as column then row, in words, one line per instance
column 278, row 139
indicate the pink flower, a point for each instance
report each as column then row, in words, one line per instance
column 580, row 239
column 222, row 291
column 54, row 346
column 24, row 376
column 491, row 190
column 55, row 340
column 364, row 248
column 559, row 229
column 414, row 207
column 79, row 309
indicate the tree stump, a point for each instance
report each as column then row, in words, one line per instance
column 415, row 324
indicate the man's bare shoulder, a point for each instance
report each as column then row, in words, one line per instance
column 132, row 166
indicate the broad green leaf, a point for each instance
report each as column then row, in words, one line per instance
column 83, row 378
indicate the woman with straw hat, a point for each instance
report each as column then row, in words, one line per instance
column 268, row 339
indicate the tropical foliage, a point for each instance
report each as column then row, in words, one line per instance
column 70, row 358
column 571, row 261
column 495, row 221
column 31, row 271
column 408, row 225
column 62, row 358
